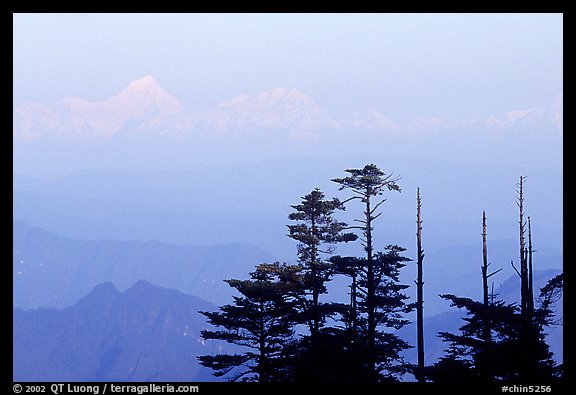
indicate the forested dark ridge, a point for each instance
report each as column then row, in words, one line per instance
column 289, row 329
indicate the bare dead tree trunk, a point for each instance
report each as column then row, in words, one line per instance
column 484, row 260
column 486, row 332
column 370, row 290
column 523, row 260
column 353, row 304
column 420, row 293
column 492, row 294
column 530, row 301
column 315, row 288
column 529, row 333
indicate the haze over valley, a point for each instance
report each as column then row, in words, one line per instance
column 139, row 188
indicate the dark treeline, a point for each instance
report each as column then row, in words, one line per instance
column 288, row 332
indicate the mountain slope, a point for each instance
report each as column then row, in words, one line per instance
column 55, row 271
column 147, row 333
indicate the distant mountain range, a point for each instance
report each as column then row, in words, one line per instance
column 50, row 270
column 145, row 127
column 143, row 107
column 55, row 271
column 147, row 333
column 142, row 101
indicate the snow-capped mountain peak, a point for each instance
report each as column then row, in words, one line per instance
column 145, row 83
column 143, row 106
column 279, row 108
column 143, row 101
column 144, row 96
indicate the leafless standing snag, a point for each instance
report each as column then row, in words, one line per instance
column 420, row 292
column 486, row 276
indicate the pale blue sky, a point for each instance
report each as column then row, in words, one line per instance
column 454, row 66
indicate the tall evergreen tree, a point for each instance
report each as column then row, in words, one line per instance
column 261, row 321
column 317, row 232
column 388, row 306
column 472, row 357
column 383, row 362
column 379, row 297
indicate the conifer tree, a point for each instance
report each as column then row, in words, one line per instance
column 317, row 232
column 261, row 321
column 383, row 362
column 507, row 355
column 389, row 307
column 502, row 341
column 379, row 296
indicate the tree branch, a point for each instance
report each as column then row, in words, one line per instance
column 349, row 199
column 377, row 205
column 516, row 270
column 493, row 273
column 379, row 214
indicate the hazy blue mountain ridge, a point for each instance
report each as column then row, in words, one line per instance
column 55, row 271
column 147, row 333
